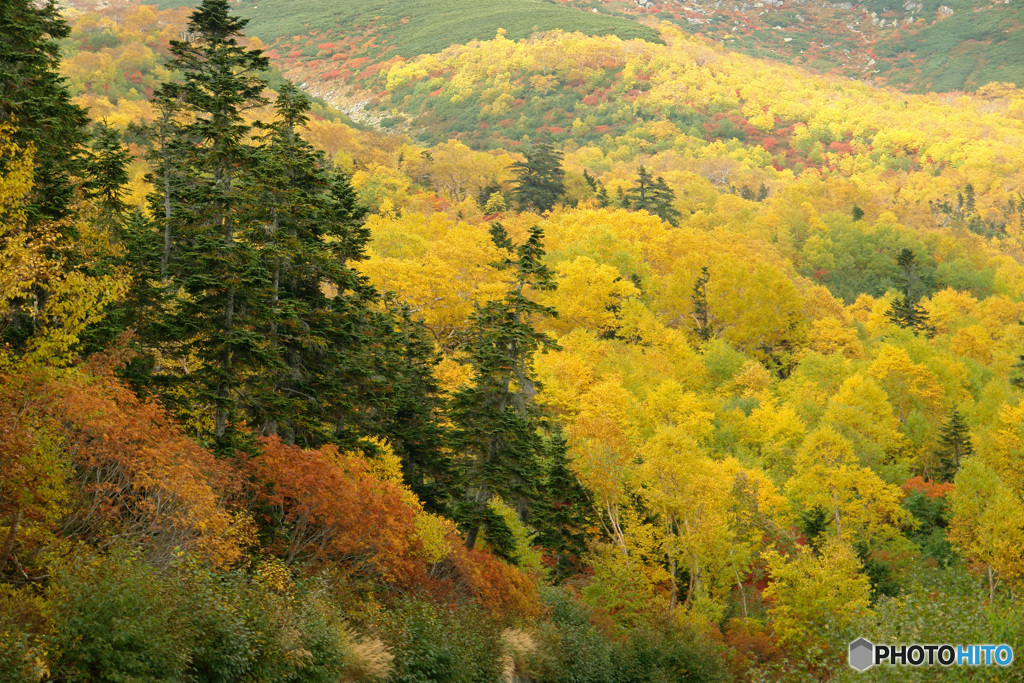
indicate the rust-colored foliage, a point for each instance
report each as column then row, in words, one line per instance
column 497, row 585
column 749, row 644
column 81, row 456
column 326, row 505
column 931, row 489
column 137, row 475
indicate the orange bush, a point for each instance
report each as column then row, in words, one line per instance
column 495, row 584
column 326, row 505
column 932, row 489
column 94, row 462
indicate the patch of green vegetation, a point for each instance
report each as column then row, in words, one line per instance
column 781, row 18
column 953, row 75
column 417, row 27
column 823, row 65
column 968, row 49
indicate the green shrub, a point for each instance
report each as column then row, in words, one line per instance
column 244, row 627
column 17, row 659
column 435, row 644
column 664, row 654
column 112, row 621
column 576, row 650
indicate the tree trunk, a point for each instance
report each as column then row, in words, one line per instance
column 8, row 547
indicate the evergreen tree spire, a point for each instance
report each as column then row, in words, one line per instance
column 954, row 445
column 216, row 267
column 905, row 310
column 495, row 417
column 110, row 161
column 652, row 195
column 565, row 510
column 35, row 100
column 539, row 179
column 699, row 298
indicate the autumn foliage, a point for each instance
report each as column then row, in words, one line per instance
column 105, row 464
column 326, row 506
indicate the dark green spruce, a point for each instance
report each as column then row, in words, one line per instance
column 652, row 195
column 35, row 101
column 906, row 311
column 496, row 418
column 954, row 446
column 702, row 324
column 540, row 179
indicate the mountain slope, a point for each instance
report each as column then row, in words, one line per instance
column 356, row 37
column 930, row 45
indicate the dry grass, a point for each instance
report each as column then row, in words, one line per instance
column 370, row 659
column 518, row 645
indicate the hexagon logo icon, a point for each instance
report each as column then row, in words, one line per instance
column 862, row 654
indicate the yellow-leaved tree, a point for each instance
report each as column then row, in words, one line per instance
column 987, row 524
column 811, row 594
column 860, row 506
column 40, row 287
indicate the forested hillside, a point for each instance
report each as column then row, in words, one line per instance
column 603, row 355
column 932, row 45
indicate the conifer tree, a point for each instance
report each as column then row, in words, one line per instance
column 109, row 175
column 167, row 142
column 297, row 204
column 564, row 512
column 954, row 445
column 35, row 99
column 1017, row 376
column 260, row 236
column 905, row 310
column 496, row 418
column 142, row 303
column 219, row 273
column 701, row 317
column 652, row 195
column 600, row 192
column 539, row 179
column 1017, row 372
column 408, row 408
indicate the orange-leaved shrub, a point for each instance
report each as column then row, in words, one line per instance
column 94, row 462
column 327, row 505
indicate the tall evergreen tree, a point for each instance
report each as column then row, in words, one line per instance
column 954, row 445
column 219, row 273
column 369, row 367
column 408, row 409
column 600, row 192
column 539, row 179
column 301, row 216
column 495, row 417
column 1017, row 372
column 564, row 511
column 260, row 235
column 699, row 298
column 109, row 159
column 109, row 176
column 652, row 195
column 35, row 100
column 905, row 310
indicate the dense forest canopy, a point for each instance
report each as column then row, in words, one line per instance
column 602, row 354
